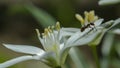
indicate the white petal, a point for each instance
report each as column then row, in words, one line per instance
column 61, row 46
column 85, row 40
column 73, row 38
column 116, row 22
column 15, row 61
column 116, row 31
column 70, row 29
column 107, row 2
column 66, row 32
column 98, row 22
column 110, row 24
column 107, row 24
column 25, row 49
column 76, row 36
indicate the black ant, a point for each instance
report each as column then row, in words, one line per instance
column 88, row 25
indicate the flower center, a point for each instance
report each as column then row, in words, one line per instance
column 88, row 20
column 50, row 37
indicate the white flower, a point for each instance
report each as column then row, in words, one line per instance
column 92, row 28
column 56, row 42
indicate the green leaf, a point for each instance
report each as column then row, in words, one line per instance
column 107, row 44
column 64, row 53
column 41, row 16
column 77, row 58
column 117, row 47
column 107, row 47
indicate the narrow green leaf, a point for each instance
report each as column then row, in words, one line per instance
column 107, row 44
column 43, row 17
column 117, row 47
column 77, row 58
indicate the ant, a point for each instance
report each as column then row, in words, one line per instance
column 88, row 25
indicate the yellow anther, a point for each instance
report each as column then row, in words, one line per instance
column 58, row 25
column 86, row 16
column 92, row 16
column 46, row 31
column 37, row 31
column 80, row 18
column 49, row 29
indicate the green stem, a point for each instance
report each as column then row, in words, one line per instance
column 94, row 51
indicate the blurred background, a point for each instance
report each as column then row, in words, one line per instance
column 20, row 18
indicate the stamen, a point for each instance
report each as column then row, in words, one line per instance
column 46, row 31
column 37, row 31
column 80, row 18
column 58, row 25
column 49, row 29
column 86, row 16
column 91, row 16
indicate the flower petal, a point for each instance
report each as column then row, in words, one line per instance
column 98, row 22
column 110, row 24
column 76, row 36
column 70, row 29
column 108, row 2
column 67, row 31
column 116, row 31
column 116, row 22
column 107, row 24
column 15, row 61
column 25, row 49
column 86, row 39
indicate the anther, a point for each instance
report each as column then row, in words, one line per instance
column 80, row 18
column 37, row 31
column 46, row 31
column 58, row 25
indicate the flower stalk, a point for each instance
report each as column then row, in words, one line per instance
column 94, row 51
